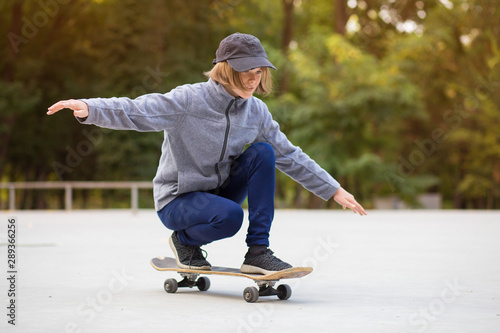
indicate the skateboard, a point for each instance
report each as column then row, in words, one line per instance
column 191, row 278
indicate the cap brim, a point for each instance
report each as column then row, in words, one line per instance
column 245, row 64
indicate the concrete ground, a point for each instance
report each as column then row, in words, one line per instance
column 391, row 271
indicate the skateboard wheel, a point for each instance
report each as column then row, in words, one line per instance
column 284, row 291
column 203, row 283
column 170, row 286
column 251, row 294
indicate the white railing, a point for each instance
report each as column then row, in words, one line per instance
column 69, row 186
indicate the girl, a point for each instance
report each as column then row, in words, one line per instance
column 221, row 146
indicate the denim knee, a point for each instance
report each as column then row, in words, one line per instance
column 264, row 151
column 229, row 221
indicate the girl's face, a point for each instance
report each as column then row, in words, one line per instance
column 250, row 81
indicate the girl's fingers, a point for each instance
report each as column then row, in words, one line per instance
column 79, row 108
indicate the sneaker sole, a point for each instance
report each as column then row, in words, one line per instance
column 181, row 265
column 249, row 269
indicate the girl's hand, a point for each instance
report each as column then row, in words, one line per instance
column 80, row 109
column 346, row 200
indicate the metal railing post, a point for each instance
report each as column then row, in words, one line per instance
column 12, row 198
column 68, row 197
column 135, row 198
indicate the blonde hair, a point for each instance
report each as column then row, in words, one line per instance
column 223, row 73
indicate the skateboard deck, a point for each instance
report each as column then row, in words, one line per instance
column 250, row 294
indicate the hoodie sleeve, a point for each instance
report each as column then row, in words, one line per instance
column 147, row 113
column 295, row 163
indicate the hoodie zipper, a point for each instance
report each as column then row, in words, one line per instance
column 224, row 145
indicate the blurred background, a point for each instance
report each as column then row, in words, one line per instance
column 398, row 100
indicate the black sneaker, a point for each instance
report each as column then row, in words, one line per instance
column 189, row 257
column 263, row 263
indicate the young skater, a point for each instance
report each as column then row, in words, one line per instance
column 221, row 146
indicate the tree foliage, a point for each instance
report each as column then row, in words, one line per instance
column 391, row 97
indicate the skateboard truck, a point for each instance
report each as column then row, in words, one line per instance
column 189, row 281
column 266, row 288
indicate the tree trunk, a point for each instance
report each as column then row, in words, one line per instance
column 315, row 202
column 298, row 200
column 285, row 42
column 287, row 25
column 341, row 16
column 15, row 28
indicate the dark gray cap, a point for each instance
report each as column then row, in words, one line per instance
column 243, row 52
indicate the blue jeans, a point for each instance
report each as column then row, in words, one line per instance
column 203, row 217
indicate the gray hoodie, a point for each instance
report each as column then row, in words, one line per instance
column 205, row 130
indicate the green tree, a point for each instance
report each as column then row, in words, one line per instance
column 391, row 97
column 454, row 64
